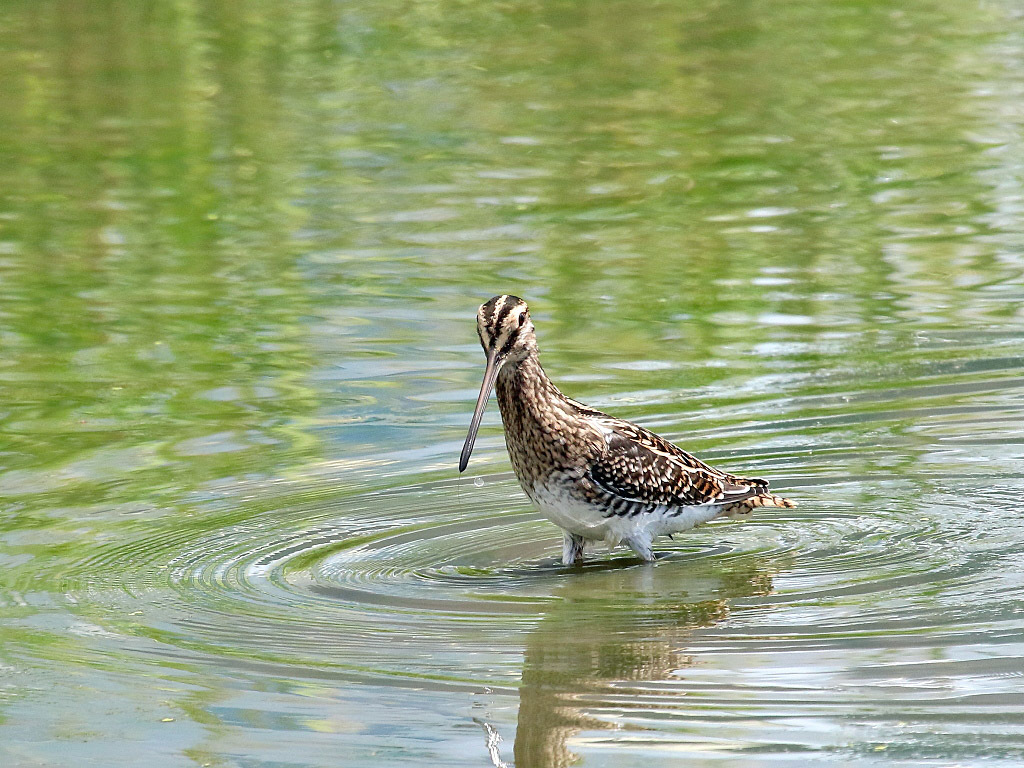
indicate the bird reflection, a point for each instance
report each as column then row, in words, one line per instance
column 617, row 625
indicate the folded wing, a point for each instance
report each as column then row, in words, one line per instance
column 639, row 466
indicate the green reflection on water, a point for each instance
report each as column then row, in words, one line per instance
column 240, row 250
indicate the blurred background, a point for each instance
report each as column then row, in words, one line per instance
column 241, row 250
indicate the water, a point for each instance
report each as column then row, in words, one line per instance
column 241, row 247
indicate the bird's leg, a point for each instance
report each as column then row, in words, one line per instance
column 640, row 545
column 572, row 548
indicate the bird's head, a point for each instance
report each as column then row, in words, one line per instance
column 505, row 329
column 507, row 336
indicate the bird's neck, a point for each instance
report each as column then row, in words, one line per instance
column 541, row 424
column 525, row 393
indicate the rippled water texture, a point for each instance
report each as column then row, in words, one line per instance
column 241, row 248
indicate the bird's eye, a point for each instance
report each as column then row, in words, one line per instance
column 522, row 320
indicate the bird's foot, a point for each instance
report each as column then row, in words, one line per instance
column 642, row 548
column 572, row 548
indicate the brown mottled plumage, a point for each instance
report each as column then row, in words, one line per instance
column 595, row 476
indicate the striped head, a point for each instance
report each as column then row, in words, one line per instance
column 505, row 329
column 506, row 334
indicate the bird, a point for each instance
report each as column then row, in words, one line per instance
column 597, row 477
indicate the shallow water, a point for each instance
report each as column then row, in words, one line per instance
column 241, row 247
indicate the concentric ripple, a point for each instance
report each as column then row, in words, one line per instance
column 331, row 579
column 891, row 599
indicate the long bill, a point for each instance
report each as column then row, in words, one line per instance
column 490, row 375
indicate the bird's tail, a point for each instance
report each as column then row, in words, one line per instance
column 748, row 505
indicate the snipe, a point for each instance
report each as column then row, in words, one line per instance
column 596, row 477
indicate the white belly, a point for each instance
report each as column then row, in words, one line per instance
column 571, row 513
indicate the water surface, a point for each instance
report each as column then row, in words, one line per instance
column 241, row 247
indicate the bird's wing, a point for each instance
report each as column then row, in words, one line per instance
column 640, row 466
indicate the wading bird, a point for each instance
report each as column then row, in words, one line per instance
column 596, row 477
